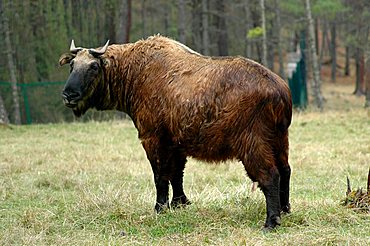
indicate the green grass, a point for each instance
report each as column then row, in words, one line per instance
column 90, row 184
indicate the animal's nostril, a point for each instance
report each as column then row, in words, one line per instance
column 64, row 95
column 70, row 95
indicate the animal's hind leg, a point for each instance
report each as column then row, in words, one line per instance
column 270, row 188
column 261, row 167
column 178, row 164
column 285, row 171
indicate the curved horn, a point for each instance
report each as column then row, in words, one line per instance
column 73, row 48
column 99, row 52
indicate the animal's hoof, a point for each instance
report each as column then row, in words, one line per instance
column 180, row 202
column 160, row 208
column 271, row 224
column 286, row 209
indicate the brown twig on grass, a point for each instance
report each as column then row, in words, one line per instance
column 358, row 200
column 368, row 183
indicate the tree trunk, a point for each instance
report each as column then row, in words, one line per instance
column 3, row 113
column 196, row 25
column 222, row 40
column 181, row 25
column 317, row 35
column 68, row 18
column 11, row 64
column 248, row 26
column 39, row 33
column 323, row 43
column 264, row 41
column 166, row 8
column 316, row 85
column 143, row 17
column 278, row 39
column 362, row 33
column 271, row 44
column 360, row 72
column 346, row 67
column 333, row 53
column 124, row 22
column 128, row 23
column 151, row 14
column 205, row 37
column 367, row 79
column 113, row 28
column 98, row 23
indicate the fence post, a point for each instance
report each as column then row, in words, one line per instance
column 26, row 103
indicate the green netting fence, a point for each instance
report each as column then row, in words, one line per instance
column 41, row 102
column 298, row 81
column 298, row 86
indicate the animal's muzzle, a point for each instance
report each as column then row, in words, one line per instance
column 70, row 99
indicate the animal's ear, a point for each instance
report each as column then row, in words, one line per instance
column 66, row 58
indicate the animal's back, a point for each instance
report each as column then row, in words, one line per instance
column 211, row 105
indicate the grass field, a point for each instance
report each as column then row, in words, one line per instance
column 90, row 184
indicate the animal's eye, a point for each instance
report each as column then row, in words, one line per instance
column 94, row 66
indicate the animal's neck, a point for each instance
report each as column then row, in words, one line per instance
column 120, row 79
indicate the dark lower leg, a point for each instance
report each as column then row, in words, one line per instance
column 157, row 154
column 162, row 194
column 282, row 155
column 284, row 188
column 270, row 189
column 161, row 185
column 179, row 197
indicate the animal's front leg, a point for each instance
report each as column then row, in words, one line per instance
column 157, row 157
column 161, row 185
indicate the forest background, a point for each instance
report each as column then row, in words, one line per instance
column 35, row 33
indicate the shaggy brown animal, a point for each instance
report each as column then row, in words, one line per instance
column 186, row 104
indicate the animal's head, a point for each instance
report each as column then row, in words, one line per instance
column 86, row 71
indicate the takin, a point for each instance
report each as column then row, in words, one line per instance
column 186, row 104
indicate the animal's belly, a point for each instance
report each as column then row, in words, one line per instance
column 214, row 149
